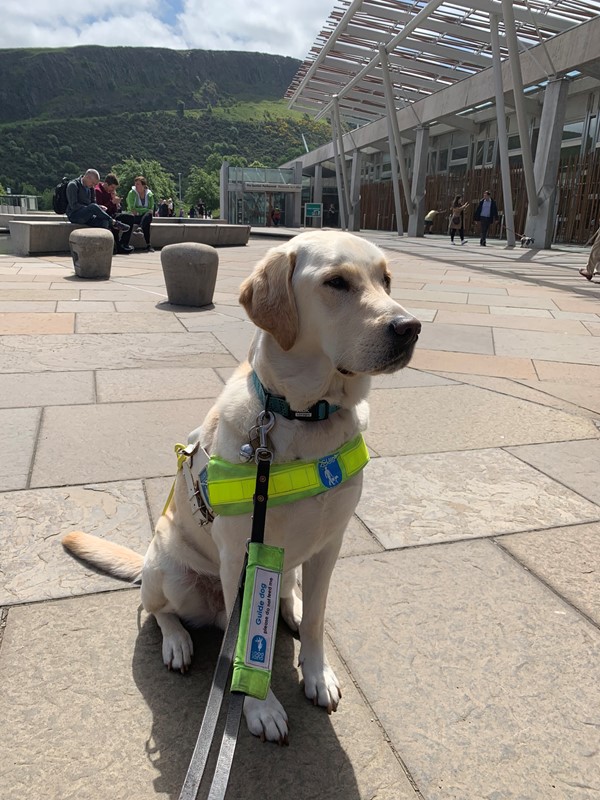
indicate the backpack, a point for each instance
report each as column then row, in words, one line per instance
column 59, row 198
column 456, row 220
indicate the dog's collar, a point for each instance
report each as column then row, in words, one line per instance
column 279, row 405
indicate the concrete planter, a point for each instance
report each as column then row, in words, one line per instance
column 190, row 271
column 91, row 250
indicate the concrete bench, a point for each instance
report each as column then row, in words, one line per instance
column 50, row 236
column 27, row 238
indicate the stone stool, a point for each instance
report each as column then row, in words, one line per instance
column 92, row 250
column 190, row 271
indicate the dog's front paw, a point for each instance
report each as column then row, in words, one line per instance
column 267, row 719
column 320, row 684
column 177, row 650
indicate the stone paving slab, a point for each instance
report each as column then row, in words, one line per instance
column 568, row 373
column 575, row 464
column 440, row 336
column 539, row 392
column 446, row 496
column 409, row 377
column 34, row 565
column 127, row 323
column 548, row 346
column 122, row 441
column 507, row 311
column 585, row 397
column 123, row 385
column 566, row 559
column 46, row 389
column 80, row 306
column 18, row 431
column 24, row 323
column 23, row 306
column 237, row 339
column 524, row 323
column 466, row 363
column 110, row 351
column 111, row 721
column 441, row 418
column 486, row 683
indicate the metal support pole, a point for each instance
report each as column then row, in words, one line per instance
column 354, row 215
column 392, row 121
column 515, row 66
column 340, row 135
column 338, row 174
column 318, row 184
column 416, row 219
column 502, row 134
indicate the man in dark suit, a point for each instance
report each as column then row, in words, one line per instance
column 486, row 213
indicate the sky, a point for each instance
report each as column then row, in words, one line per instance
column 287, row 27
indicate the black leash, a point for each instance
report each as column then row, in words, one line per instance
column 220, row 680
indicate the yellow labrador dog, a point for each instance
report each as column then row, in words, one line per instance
column 326, row 323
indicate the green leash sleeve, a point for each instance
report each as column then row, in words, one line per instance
column 253, row 660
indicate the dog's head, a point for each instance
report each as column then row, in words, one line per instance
column 328, row 292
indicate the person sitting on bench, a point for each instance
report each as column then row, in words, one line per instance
column 82, row 208
column 140, row 204
column 106, row 197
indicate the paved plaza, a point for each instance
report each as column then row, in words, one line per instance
column 463, row 619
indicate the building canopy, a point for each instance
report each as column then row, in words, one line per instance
column 429, row 45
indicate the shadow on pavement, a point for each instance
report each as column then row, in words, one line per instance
column 314, row 765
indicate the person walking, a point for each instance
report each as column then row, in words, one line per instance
column 457, row 219
column 485, row 214
column 592, row 268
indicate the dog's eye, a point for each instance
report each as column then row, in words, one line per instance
column 339, row 283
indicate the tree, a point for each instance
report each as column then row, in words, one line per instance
column 159, row 180
column 202, row 185
column 2, row 190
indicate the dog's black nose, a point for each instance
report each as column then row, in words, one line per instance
column 407, row 328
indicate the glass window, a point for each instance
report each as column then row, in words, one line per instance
column 479, row 154
column 514, row 143
column 489, row 156
column 573, row 130
column 458, row 153
column 443, row 160
column 591, row 134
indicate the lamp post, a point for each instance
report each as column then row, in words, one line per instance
column 180, row 188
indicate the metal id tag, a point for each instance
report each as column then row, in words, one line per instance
column 258, row 622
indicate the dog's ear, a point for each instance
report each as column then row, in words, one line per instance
column 268, row 298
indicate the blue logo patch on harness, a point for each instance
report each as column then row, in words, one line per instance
column 330, row 472
column 258, row 649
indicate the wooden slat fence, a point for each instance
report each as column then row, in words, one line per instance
column 578, row 207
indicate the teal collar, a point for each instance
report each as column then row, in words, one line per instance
column 279, row 405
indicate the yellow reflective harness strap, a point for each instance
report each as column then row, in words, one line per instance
column 228, row 488
column 182, row 457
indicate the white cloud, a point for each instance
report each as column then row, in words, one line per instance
column 285, row 28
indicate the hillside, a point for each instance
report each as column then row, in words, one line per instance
column 77, row 81
column 62, row 111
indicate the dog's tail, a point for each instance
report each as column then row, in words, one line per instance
column 119, row 561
